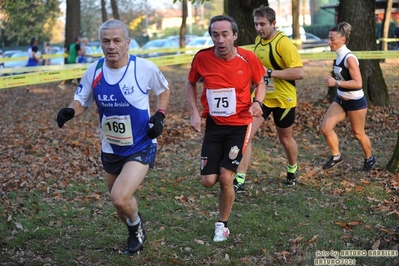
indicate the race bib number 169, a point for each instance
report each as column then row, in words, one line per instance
column 117, row 130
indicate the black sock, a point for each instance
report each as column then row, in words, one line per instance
column 225, row 223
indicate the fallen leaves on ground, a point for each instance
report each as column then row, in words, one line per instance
column 38, row 156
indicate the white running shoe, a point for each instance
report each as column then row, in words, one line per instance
column 221, row 232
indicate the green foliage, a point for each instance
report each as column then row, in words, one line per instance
column 25, row 19
column 91, row 18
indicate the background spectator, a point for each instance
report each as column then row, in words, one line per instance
column 1, row 56
column 396, row 32
column 33, row 59
column 82, row 55
column 47, row 49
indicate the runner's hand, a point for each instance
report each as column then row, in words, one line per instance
column 64, row 115
column 157, row 128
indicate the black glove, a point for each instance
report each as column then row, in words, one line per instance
column 64, row 115
column 157, row 121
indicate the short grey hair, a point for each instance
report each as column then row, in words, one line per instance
column 113, row 24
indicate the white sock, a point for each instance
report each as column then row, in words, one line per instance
column 136, row 222
column 336, row 157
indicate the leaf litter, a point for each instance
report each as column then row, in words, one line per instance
column 37, row 156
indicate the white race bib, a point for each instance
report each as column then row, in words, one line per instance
column 222, row 102
column 269, row 84
column 117, row 130
column 337, row 73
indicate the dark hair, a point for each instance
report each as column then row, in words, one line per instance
column 234, row 26
column 76, row 38
column 344, row 29
column 266, row 12
column 32, row 40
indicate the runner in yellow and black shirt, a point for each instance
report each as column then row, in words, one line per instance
column 281, row 59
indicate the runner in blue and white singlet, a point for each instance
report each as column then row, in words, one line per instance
column 120, row 85
column 123, row 102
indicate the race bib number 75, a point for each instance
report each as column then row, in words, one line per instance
column 222, row 102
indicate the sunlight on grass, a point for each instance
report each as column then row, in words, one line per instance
column 56, row 211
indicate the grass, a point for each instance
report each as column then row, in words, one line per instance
column 61, row 215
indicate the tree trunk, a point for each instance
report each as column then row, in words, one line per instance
column 363, row 39
column 103, row 11
column 241, row 12
column 296, row 35
column 385, row 25
column 183, row 26
column 393, row 164
column 115, row 11
column 72, row 25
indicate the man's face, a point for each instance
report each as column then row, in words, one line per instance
column 223, row 38
column 114, row 44
column 264, row 28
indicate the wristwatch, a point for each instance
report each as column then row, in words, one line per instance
column 269, row 73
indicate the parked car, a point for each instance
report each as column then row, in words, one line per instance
column 188, row 37
column 133, row 44
column 198, row 43
column 159, row 47
column 311, row 41
column 94, row 44
column 287, row 30
column 11, row 52
column 13, row 64
column 134, row 47
column 58, row 60
column 91, row 54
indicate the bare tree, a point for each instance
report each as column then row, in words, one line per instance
column 115, row 11
column 385, row 24
column 241, row 11
column 73, row 19
column 103, row 11
column 296, row 35
column 183, row 24
column 393, row 164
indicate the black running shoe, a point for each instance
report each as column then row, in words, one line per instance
column 369, row 164
column 238, row 188
column 331, row 162
column 137, row 238
column 291, row 179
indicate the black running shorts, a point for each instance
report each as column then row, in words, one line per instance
column 283, row 118
column 222, row 147
column 113, row 163
column 352, row 105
